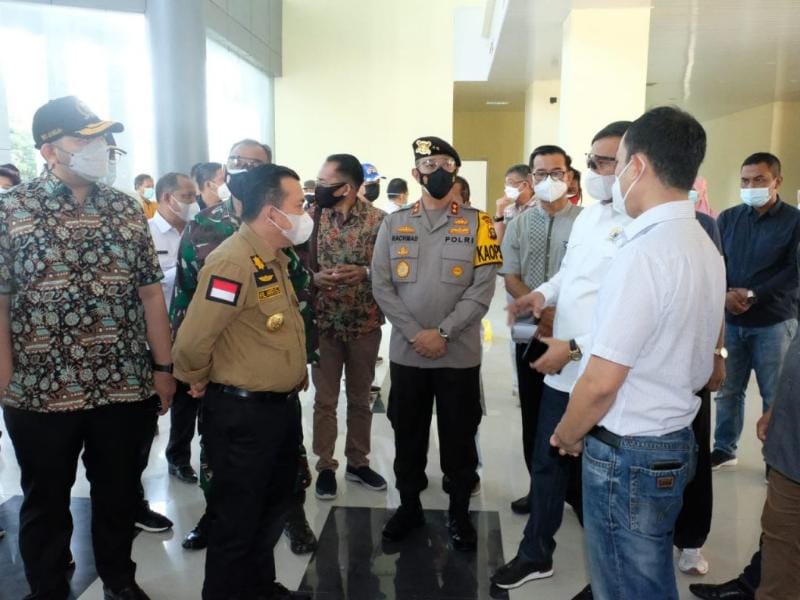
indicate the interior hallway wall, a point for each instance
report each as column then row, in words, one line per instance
column 541, row 117
column 769, row 127
column 365, row 77
column 494, row 136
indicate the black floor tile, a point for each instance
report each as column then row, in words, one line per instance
column 12, row 575
column 353, row 563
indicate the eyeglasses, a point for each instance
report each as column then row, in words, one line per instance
column 188, row 197
column 331, row 186
column 236, row 162
column 598, row 161
column 426, row 166
column 557, row 174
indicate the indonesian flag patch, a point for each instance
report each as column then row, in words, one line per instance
column 224, row 291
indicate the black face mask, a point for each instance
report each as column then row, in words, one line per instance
column 372, row 191
column 310, row 198
column 439, row 184
column 324, row 195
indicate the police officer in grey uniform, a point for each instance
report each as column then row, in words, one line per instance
column 433, row 275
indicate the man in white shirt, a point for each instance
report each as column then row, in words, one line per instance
column 397, row 192
column 658, row 318
column 574, row 288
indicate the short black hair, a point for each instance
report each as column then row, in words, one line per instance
column 615, row 129
column 251, row 142
column 261, row 186
column 204, row 172
column 464, row 184
column 548, row 149
column 576, row 175
column 168, row 183
column 309, row 184
column 349, row 167
column 11, row 174
column 772, row 162
column 10, row 167
column 397, row 186
column 140, row 179
column 673, row 141
column 523, row 171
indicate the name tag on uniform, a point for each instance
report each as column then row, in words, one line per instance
column 270, row 292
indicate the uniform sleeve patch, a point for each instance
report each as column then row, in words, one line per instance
column 487, row 249
column 224, row 291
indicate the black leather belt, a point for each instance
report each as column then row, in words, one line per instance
column 234, row 391
column 604, row 435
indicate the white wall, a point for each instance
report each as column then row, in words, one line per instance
column 541, row 117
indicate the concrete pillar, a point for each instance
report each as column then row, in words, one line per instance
column 177, row 33
column 603, row 73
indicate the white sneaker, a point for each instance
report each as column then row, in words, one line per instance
column 692, row 562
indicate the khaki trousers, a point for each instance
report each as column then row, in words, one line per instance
column 780, row 552
column 357, row 358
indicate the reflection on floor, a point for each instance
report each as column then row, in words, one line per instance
column 353, row 563
column 14, row 586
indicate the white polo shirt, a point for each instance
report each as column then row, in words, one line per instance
column 574, row 288
column 659, row 312
column 166, row 239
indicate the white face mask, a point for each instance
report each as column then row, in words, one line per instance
column 301, row 229
column 148, row 193
column 223, row 192
column 550, row 190
column 694, row 196
column 512, row 193
column 617, row 196
column 91, row 161
column 755, row 197
column 185, row 212
column 598, row 186
column 4, row 190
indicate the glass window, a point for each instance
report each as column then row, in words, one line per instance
column 239, row 97
column 100, row 56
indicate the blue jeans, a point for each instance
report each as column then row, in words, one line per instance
column 631, row 498
column 551, row 476
column 749, row 348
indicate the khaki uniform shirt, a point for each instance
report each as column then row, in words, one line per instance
column 436, row 275
column 243, row 327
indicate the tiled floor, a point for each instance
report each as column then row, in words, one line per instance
column 167, row 572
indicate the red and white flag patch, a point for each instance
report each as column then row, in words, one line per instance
column 225, row 291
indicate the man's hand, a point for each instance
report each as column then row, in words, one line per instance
column 502, row 204
column 325, row 279
column 554, row 359
column 565, row 449
column 429, row 344
column 164, row 385
column 736, row 301
column 717, row 375
column 763, row 425
column 349, row 274
column 545, row 328
column 529, row 303
column 303, row 387
column 198, row 390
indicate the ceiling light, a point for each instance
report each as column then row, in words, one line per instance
column 497, row 103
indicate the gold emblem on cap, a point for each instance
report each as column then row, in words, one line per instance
column 402, row 269
column 423, row 147
column 275, row 322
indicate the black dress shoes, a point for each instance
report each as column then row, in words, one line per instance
column 132, row 592
column 730, row 590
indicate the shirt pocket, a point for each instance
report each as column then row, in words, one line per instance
column 457, row 264
column 404, row 258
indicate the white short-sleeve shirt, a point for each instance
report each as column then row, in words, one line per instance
column 659, row 312
column 166, row 239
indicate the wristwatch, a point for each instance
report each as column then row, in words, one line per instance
column 444, row 335
column 575, row 353
column 369, row 273
column 162, row 368
column 751, row 297
column 499, row 219
column 721, row 352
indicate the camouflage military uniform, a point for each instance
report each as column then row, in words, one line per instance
column 201, row 237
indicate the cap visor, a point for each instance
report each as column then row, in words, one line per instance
column 100, row 128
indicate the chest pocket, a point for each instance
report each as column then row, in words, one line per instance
column 405, row 261
column 273, row 314
column 457, row 264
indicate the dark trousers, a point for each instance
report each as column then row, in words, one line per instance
column 183, row 420
column 47, row 446
column 531, row 384
column 458, row 414
column 253, row 451
column 552, row 477
column 694, row 520
column 147, row 444
column 751, row 576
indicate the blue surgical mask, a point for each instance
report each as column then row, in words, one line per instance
column 755, row 197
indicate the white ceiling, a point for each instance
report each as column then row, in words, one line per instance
column 712, row 57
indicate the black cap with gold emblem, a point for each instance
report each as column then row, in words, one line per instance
column 431, row 145
column 69, row 116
